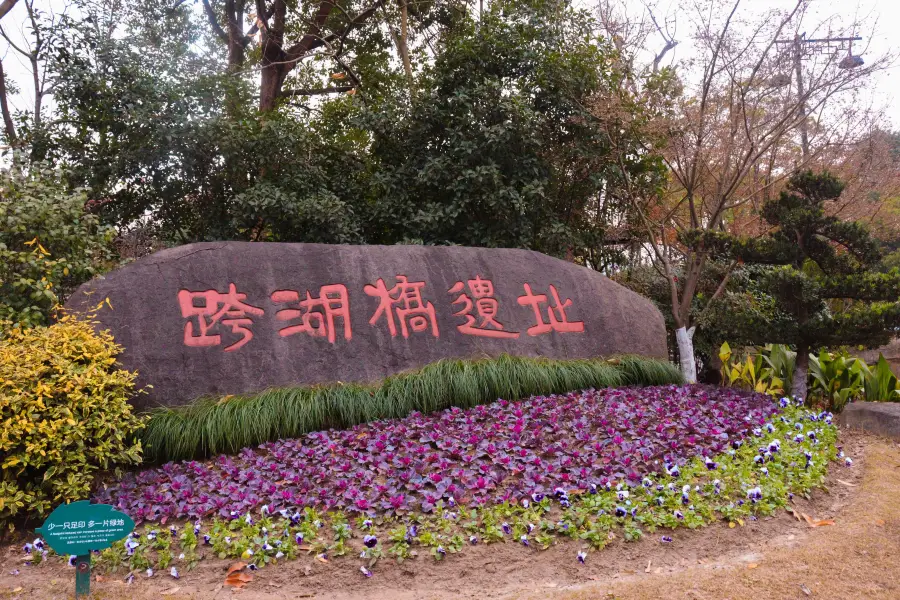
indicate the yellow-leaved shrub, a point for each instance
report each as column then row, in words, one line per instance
column 64, row 415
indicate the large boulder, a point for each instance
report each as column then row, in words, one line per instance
column 232, row 317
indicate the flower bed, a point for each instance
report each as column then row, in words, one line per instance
column 635, row 460
column 488, row 454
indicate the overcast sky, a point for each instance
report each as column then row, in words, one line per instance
column 881, row 34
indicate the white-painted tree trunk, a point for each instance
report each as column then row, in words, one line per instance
column 685, row 339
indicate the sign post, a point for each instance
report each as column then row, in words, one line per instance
column 80, row 527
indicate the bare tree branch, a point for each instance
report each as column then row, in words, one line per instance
column 214, row 21
column 6, row 6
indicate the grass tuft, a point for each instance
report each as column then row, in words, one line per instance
column 213, row 426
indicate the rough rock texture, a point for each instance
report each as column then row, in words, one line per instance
column 880, row 418
column 187, row 336
column 891, row 354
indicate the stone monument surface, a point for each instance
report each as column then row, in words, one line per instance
column 233, row 317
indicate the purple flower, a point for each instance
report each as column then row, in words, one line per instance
column 298, row 538
column 679, row 515
column 506, row 528
column 370, row 541
column 555, row 443
column 440, row 550
column 473, row 540
column 581, row 556
column 524, row 540
column 666, row 539
column 72, row 559
column 174, row 573
column 620, row 511
column 365, row 571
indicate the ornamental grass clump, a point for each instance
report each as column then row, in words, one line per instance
column 65, row 415
column 215, row 425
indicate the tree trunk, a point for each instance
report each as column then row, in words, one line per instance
column 4, row 107
column 404, row 49
column 801, row 372
column 274, row 68
column 685, row 339
column 270, row 87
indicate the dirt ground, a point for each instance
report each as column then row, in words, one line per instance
column 777, row 557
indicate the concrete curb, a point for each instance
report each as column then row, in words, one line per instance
column 880, row 418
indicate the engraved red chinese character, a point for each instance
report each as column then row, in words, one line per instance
column 406, row 299
column 556, row 314
column 486, row 306
column 316, row 315
column 234, row 313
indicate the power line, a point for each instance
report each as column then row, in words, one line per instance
column 803, row 48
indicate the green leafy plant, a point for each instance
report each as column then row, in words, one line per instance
column 214, row 425
column 781, row 360
column 753, row 372
column 880, row 384
column 837, row 377
column 65, row 415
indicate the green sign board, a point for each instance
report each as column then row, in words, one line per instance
column 80, row 527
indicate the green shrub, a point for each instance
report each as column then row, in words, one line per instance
column 65, row 415
column 210, row 426
column 48, row 244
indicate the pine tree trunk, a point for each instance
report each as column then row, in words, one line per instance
column 685, row 340
column 801, row 372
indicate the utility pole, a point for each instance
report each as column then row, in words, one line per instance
column 802, row 48
column 801, row 96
